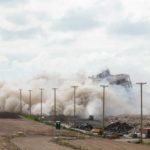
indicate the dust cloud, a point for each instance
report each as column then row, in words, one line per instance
column 118, row 100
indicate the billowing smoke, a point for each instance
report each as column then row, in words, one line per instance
column 119, row 100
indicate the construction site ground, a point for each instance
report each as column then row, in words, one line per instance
column 23, row 134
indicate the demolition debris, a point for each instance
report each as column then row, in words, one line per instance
column 119, row 79
column 85, row 126
column 119, row 127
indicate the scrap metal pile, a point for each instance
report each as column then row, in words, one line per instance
column 119, row 127
column 85, row 126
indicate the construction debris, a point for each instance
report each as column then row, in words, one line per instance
column 119, row 79
column 85, row 126
column 118, row 127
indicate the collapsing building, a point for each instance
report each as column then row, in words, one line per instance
column 119, row 79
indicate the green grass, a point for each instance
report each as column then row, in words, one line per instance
column 35, row 118
column 38, row 119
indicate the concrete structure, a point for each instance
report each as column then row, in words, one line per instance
column 119, row 79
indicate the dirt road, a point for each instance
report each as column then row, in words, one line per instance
column 105, row 144
column 37, row 143
column 28, row 127
column 31, row 135
column 17, row 133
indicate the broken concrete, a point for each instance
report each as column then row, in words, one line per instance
column 119, row 79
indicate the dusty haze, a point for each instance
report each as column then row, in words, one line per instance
column 89, row 96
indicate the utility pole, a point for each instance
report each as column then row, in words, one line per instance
column 141, row 87
column 30, row 101
column 74, row 97
column 54, row 103
column 104, row 87
column 20, row 91
column 41, row 100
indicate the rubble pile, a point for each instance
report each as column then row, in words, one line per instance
column 132, row 120
column 119, row 79
column 85, row 126
column 118, row 127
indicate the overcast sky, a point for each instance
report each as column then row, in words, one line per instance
column 70, row 36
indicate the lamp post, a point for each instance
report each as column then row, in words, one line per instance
column 141, row 87
column 74, row 97
column 104, row 87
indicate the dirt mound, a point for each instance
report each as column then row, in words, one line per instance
column 9, row 115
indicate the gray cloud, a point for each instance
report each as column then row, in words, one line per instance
column 92, row 17
column 20, row 34
column 24, row 18
column 23, row 25
column 12, row 2
column 127, row 27
column 74, row 21
column 42, row 16
column 18, row 18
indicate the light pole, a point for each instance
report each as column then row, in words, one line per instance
column 41, row 101
column 104, row 87
column 20, row 91
column 30, row 101
column 55, row 103
column 74, row 97
column 141, row 87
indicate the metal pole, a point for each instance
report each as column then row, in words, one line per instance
column 30, row 101
column 20, row 90
column 55, row 103
column 141, row 113
column 103, row 123
column 141, row 87
column 41, row 101
column 74, row 87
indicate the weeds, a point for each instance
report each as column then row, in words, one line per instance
column 35, row 118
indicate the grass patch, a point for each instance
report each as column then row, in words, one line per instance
column 38, row 119
column 35, row 118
